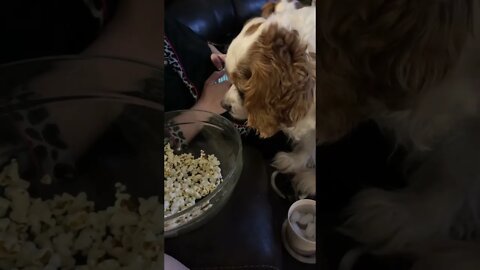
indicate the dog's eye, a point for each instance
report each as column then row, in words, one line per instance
column 246, row 73
column 241, row 94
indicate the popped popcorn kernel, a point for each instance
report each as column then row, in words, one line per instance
column 52, row 234
column 188, row 179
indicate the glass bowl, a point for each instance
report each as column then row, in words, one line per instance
column 88, row 122
column 215, row 135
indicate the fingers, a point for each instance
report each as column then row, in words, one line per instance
column 218, row 60
column 213, row 48
column 222, row 56
column 215, row 76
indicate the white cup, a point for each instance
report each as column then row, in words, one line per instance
column 298, row 242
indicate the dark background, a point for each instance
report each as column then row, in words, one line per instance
column 33, row 28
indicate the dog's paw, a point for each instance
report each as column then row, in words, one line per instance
column 384, row 220
column 305, row 182
column 287, row 162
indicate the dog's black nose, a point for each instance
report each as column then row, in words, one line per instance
column 227, row 107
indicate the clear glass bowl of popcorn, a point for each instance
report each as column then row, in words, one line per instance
column 202, row 163
column 80, row 164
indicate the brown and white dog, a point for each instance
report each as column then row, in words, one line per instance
column 271, row 65
column 413, row 67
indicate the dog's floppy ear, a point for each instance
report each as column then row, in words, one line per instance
column 277, row 80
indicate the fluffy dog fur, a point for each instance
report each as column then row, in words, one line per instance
column 413, row 66
column 271, row 64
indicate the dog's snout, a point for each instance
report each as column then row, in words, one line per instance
column 226, row 106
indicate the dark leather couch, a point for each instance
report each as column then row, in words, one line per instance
column 246, row 234
column 217, row 21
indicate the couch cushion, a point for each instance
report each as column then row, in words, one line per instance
column 247, row 9
column 210, row 19
column 217, row 21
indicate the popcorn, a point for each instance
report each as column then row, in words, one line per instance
column 46, row 180
column 84, row 239
column 147, row 205
column 310, row 231
column 94, row 254
column 188, row 179
column 4, row 223
column 25, row 255
column 52, row 234
column 108, row 265
column 304, row 224
column 9, row 173
column 4, row 205
column 124, row 218
column 308, row 218
column 63, row 242
column 76, row 221
column 55, row 261
column 20, row 203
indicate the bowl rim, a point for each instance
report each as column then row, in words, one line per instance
column 223, row 183
column 7, row 106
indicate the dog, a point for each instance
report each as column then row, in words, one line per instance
column 271, row 65
column 413, row 67
column 272, row 7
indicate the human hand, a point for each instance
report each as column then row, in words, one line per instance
column 218, row 60
column 213, row 94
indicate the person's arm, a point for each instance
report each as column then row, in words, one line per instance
column 209, row 101
column 135, row 32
